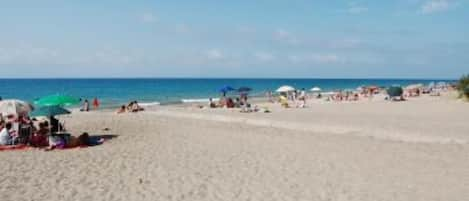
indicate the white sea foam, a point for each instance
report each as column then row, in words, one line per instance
column 200, row 100
column 149, row 104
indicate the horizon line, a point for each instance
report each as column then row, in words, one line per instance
column 169, row 77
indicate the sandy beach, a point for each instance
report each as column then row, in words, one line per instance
column 364, row 151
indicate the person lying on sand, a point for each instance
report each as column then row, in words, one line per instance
column 121, row 110
column 82, row 140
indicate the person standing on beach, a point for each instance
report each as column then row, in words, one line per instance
column 86, row 106
column 95, row 103
column 269, row 96
column 302, row 98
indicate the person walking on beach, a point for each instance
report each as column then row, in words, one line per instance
column 95, row 103
column 86, row 106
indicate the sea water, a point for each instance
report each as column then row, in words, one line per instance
column 148, row 91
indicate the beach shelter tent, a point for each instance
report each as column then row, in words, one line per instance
column 315, row 89
column 15, row 107
column 57, row 100
column 285, row 89
column 395, row 91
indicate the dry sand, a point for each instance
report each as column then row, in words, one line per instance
column 414, row 150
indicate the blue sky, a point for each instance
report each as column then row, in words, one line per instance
column 243, row 38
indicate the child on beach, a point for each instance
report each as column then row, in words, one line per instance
column 95, row 103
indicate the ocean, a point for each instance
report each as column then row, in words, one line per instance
column 114, row 92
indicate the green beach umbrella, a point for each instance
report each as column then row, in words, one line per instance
column 57, row 100
column 50, row 111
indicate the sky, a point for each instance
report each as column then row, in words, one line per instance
column 242, row 38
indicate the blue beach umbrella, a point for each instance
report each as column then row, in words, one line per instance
column 226, row 89
column 244, row 89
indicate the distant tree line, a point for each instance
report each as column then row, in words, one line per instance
column 463, row 86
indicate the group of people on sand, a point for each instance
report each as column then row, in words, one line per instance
column 133, row 106
column 345, row 96
column 228, row 102
column 22, row 130
column 299, row 97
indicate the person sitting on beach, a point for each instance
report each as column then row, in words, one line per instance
column 222, row 102
column 245, row 107
column 355, row 97
column 121, row 110
column 55, row 124
column 237, row 103
column 136, row 107
column 129, row 106
column 6, row 135
column 211, row 104
column 86, row 106
column 283, row 101
column 39, row 138
column 230, row 103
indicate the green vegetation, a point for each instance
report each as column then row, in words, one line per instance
column 463, row 86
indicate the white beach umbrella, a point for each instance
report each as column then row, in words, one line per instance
column 414, row 86
column 15, row 107
column 285, row 88
column 315, row 89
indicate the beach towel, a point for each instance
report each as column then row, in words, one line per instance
column 13, row 147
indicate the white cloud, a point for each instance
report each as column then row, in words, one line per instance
column 215, row 54
column 264, row 56
column 148, row 17
column 434, row 6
